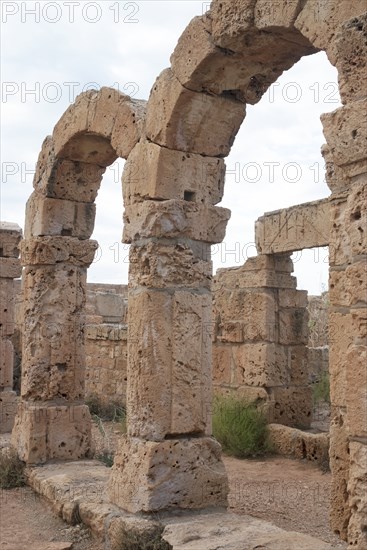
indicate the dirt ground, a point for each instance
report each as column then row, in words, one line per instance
column 289, row 493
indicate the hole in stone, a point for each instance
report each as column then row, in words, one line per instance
column 189, row 196
column 66, row 232
column 356, row 215
column 354, row 133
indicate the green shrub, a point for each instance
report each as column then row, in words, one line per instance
column 136, row 540
column 321, row 389
column 240, row 427
column 11, row 469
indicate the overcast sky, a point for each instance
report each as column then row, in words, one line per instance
column 52, row 51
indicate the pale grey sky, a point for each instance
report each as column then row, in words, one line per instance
column 51, row 51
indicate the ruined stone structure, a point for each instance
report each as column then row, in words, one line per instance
column 106, row 343
column 10, row 269
column 172, row 181
column 260, row 335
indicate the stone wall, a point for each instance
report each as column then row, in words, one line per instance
column 260, row 337
column 10, row 269
column 106, row 343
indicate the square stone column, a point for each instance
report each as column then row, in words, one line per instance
column 10, row 269
column 169, row 458
column 346, row 170
column 52, row 421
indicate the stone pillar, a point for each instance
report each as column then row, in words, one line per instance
column 169, row 459
column 10, row 269
column 52, row 422
column 260, row 338
column 346, row 170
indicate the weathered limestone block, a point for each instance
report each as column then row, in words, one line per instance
column 357, row 489
column 257, row 278
column 175, row 218
column 289, row 441
column 356, row 395
column 170, row 363
column 341, row 337
column 280, row 13
column 339, row 465
column 223, row 367
column 291, row 406
column 150, row 476
column 160, row 265
column 181, row 119
column 356, row 217
column 294, row 228
column 114, row 118
column 359, row 326
column 293, row 326
column 319, row 21
column 292, row 298
column 154, row 172
column 350, row 50
column 254, row 310
column 230, row 20
column 45, row 216
column 66, row 179
column 45, row 432
column 349, row 287
column 10, row 268
column 335, row 176
column 10, row 237
column 8, row 408
column 340, row 245
column 56, row 250
column 260, row 364
column 202, row 66
column 6, row 307
column 6, row 364
column 53, row 351
column 345, row 130
column 298, row 366
column 110, row 306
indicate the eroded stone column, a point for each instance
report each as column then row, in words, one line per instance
column 169, row 459
column 346, row 132
column 52, row 421
column 10, row 269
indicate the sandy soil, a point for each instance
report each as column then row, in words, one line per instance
column 291, row 494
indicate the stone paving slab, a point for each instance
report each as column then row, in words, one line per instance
column 77, row 491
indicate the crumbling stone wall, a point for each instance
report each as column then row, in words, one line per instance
column 106, row 343
column 260, row 335
column 10, row 269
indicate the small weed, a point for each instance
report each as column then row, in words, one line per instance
column 240, row 427
column 11, row 469
column 113, row 411
column 136, row 540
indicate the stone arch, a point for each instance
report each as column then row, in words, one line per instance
column 223, row 60
column 52, row 421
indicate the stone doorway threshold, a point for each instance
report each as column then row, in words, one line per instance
column 77, row 492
